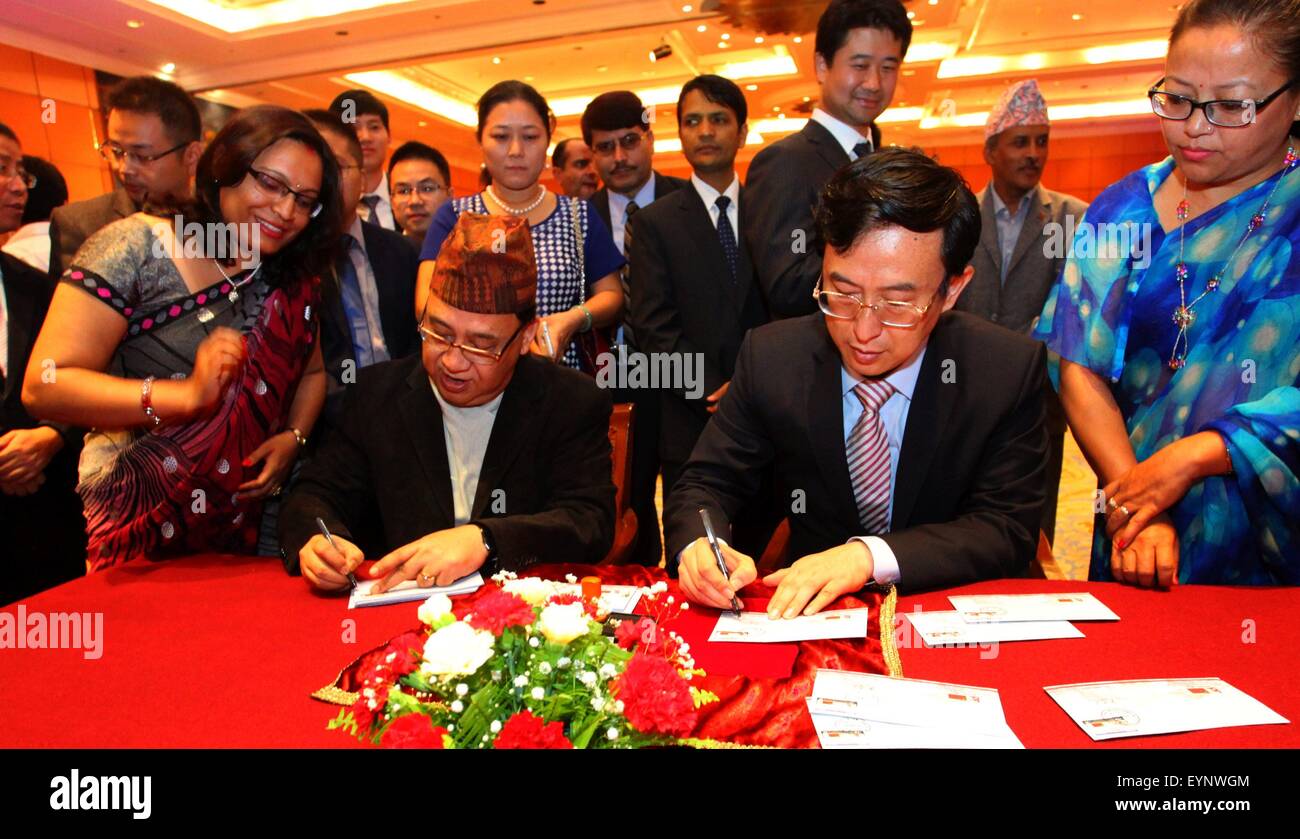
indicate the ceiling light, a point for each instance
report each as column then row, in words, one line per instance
column 496, row 59
column 133, row 24
column 398, row 86
column 776, row 126
column 779, row 63
column 798, row 39
column 687, row 9
column 660, row 52
column 726, row 36
column 701, row 28
column 1076, row 17
column 169, row 68
column 722, row 45
column 758, row 39
column 930, row 51
column 245, row 16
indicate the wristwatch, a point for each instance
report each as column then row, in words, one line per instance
column 489, row 545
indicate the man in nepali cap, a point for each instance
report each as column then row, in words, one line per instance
column 473, row 456
column 1024, row 234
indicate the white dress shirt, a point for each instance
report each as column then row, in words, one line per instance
column 894, row 416
column 383, row 210
column 846, row 135
column 709, row 196
column 31, row 244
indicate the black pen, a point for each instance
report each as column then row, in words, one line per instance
column 717, row 554
column 325, row 531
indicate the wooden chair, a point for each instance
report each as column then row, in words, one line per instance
column 625, row 523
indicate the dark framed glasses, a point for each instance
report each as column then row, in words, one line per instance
column 115, row 154
column 1226, row 113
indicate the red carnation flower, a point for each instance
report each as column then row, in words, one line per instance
column 499, row 609
column 627, row 633
column 405, row 649
column 656, row 700
column 367, row 708
column 525, row 731
column 413, row 731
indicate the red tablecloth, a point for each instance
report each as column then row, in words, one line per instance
column 1186, row 632
column 224, row 652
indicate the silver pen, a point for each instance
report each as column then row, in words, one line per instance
column 717, row 554
column 546, row 336
column 325, row 531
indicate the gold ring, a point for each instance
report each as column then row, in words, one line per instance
column 1112, row 504
column 1125, row 511
column 427, row 578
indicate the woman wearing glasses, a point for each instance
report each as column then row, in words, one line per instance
column 197, row 371
column 1179, row 367
column 577, row 263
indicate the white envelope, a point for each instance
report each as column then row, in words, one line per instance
column 1105, row 710
column 758, row 628
column 408, row 591
column 939, row 629
column 869, row 696
column 1066, row 606
column 848, row 733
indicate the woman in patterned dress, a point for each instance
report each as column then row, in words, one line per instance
column 199, row 377
column 575, row 290
column 1179, row 366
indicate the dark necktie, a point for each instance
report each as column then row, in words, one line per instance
column 861, row 150
column 727, row 235
column 372, row 208
column 632, row 207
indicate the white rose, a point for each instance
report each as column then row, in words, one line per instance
column 457, row 649
column 562, row 623
column 532, row 589
column 434, row 608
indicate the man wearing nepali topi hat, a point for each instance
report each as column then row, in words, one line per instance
column 1014, row 266
column 474, row 455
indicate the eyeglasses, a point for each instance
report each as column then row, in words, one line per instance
column 115, row 154
column 425, row 189
column 1227, row 113
column 890, row 312
column 274, row 187
column 628, row 141
column 8, row 173
column 476, row 355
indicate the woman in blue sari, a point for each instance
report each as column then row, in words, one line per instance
column 1180, row 362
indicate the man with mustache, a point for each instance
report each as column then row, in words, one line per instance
column 617, row 128
column 154, row 143
column 1013, row 271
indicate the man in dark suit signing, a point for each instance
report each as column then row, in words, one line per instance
column 859, row 48
column 476, row 455
column 694, row 295
column 367, row 313
column 909, row 438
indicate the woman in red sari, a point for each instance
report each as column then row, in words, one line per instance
column 196, row 368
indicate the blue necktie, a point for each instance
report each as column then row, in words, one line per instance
column 354, row 307
column 727, row 235
column 372, row 208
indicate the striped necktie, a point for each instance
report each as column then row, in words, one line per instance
column 867, row 453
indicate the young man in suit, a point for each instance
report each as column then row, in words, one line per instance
column 859, row 48
column 1014, row 266
column 694, row 292
column 366, row 308
column 154, row 142
column 368, row 116
column 419, row 180
column 908, row 437
column 476, row 454
column 616, row 127
column 42, row 530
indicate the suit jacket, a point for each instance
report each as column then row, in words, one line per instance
column 395, row 262
column 664, row 185
column 1032, row 274
column 549, row 453
column 969, row 490
column 72, row 224
column 43, row 534
column 782, row 187
column 684, row 301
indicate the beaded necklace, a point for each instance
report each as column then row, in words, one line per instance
column 1183, row 315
